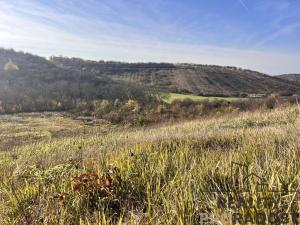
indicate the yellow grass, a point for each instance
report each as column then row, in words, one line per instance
column 168, row 172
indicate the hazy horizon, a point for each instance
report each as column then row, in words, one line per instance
column 259, row 35
column 120, row 61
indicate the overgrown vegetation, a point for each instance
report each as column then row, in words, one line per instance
column 31, row 83
column 93, row 163
column 153, row 111
column 204, row 80
column 148, row 176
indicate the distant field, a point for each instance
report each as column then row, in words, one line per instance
column 20, row 129
column 175, row 96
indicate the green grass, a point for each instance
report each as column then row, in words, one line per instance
column 166, row 171
column 170, row 97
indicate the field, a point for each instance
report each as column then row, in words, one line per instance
column 170, row 97
column 56, row 170
column 26, row 128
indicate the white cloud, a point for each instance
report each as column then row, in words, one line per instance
column 64, row 34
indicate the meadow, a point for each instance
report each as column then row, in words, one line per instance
column 170, row 97
column 56, row 170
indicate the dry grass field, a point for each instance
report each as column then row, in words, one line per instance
column 55, row 170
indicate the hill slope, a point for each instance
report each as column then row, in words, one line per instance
column 184, row 78
column 33, row 83
column 291, row 77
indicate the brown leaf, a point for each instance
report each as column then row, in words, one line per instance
column 107, row 180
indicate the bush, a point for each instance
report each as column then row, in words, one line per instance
column 270, row 102
column 243, row 95
column 113, row 117
column 133, row 105
column 101, row 107
column 10, row 66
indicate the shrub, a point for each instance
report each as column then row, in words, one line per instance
column 9, row 66
column 270, row 102
column 101, row 107
column 113, row 117
column 99, row 192
column 243, row 95
column 133, row 105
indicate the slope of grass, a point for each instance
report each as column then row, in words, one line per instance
column 162, row 175
column 196, row 79
column 26, row 128
column 170, row 97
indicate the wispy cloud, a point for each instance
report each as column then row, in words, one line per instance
column 281, row 24
column 244, row 4
column 63, row 29
column 279, row 32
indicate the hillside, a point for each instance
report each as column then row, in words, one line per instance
column 32, row 83
column 290, row 77
column 184, row 78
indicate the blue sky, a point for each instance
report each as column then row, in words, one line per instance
column 256, row 34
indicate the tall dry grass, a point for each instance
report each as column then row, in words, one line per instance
column 162, row 175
